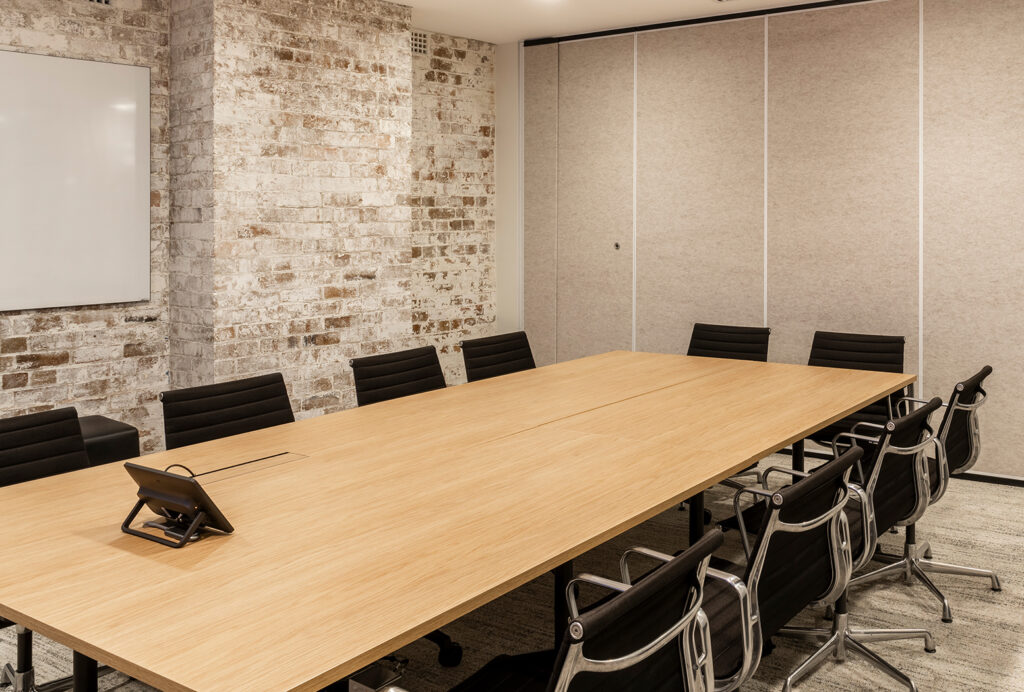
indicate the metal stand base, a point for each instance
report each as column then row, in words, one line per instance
column 841, row 639
column 915, row 563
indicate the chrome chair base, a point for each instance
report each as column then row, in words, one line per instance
column 841, row 639
column 916, row 563
column 19, row 682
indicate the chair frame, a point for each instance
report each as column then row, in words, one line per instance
column 746, row 592
column 866, row 492
column 916, row 561
column 840, row 639
column 696, row 662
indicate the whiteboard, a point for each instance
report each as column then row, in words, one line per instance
column 74, row 182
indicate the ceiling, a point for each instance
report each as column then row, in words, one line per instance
column 505, row 21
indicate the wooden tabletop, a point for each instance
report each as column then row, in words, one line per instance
column 388, row 521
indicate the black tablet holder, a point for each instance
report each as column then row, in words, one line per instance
column 176, row 525
column 187, row 511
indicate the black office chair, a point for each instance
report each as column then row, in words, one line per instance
column 492, row 356
column 959, row 443
column 800, row 556
column 31, row 447
column 394, row 375
column 893, row 491
column 858, row 352
column 648, row 636
column 809, row 562
column 724, row 341
column 213, row 411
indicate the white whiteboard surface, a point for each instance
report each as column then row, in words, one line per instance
column 74, row 182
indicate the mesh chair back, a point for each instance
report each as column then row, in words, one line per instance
column 724, row 341
column 801, row 554
column 497, row 355
column 40, row 445
column 210, row 412
column 897, row 481
column 394, row 375
column 625, row 624
column 959, row 427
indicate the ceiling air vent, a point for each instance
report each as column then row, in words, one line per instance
column 419, row 43
column 99, row 2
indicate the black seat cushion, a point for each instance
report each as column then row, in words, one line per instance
column 210, row 412
column 722, row 607
column 492, row 356
column 394, row 375
column 933, row 473
column 108, row 440
column 726, row 341
column 855, row 517
column 522, row 673
column 40, row 445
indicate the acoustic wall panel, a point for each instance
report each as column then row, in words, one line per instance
column 540, row 204
column 595, row 196
column 842, row 183
column 700, row 181
column 974, row 204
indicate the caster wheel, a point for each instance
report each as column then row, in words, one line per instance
column 931, row 651
column 450, row 655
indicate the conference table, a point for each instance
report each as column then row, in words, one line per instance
column 363, row 530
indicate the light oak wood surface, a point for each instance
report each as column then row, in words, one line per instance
column 399, row 518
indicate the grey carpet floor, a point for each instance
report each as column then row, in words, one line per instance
column 975, row 524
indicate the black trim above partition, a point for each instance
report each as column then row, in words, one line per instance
column 697, row 20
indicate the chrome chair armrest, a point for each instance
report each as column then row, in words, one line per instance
column 867, row 424
column 752, row 490
column 867, row 524
column 570, row 589
column 639, row 550
column 762, row 476
column 855, row 436
column 903, row 404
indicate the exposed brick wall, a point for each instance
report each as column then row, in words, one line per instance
column 312, row 128
column 111, row 360
column 453, row 283
column 191, row 160
column 318, row 195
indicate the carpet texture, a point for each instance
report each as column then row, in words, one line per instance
column 975, row 524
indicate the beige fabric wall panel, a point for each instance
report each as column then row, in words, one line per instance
column 540, row 203
column 843, row 175
column 700, row 182
column 974, row 203
column 595, row 196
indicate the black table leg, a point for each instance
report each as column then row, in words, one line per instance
column 85, row 674
column 563, row 575
column 798, row 455
column 696, row 503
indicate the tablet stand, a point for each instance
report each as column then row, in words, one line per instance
column 187, row 532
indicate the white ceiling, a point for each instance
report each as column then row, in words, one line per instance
column 504, row 21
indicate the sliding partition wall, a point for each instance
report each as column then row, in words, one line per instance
column 857, row 168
